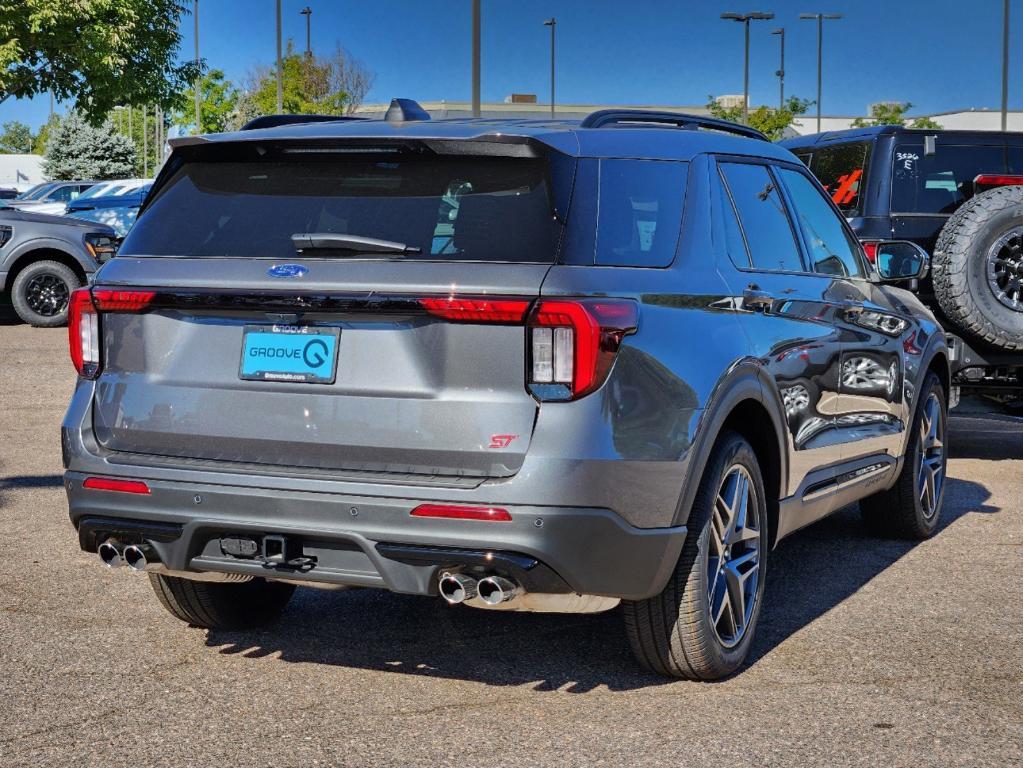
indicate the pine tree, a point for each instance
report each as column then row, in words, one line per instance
column 77, row 150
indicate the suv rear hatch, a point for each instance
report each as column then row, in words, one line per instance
column 244, row 321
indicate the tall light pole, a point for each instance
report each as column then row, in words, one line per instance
column 475, row 58
column 145, row 142
column 781, row 68
column 198, row 78
column 745, row 19
column 1005, row 65
column 308, row 13
column 552, row 23
column 280, row 75
column 819, row 18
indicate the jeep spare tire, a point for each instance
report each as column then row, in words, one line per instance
column 978, row 267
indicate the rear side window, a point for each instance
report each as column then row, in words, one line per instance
column 832, row 249
column 762, row 215
column 639, row 213
column 940, row 182
column 841, row 170
column 450, row 207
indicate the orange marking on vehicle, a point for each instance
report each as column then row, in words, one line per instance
column 845, row 192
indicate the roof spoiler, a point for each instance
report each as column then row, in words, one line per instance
column 611, row 117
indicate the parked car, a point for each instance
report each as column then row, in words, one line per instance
column 8, row 193
column 125, row 198
column 54, row 199
column 119, row 218
column 644, row 348
column 43, row 259
column 957, row 194
column 34, row 191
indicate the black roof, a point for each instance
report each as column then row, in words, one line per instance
column 852, row 134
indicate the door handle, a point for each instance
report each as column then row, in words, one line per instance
column 754, row 298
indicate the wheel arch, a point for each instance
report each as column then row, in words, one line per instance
column 44, row 251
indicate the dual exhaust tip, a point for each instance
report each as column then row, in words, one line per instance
column 456, row 588
column 138, row 557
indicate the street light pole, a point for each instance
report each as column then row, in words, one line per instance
column 552, row 23
column 781, row 68
column 819, row 18
column 746, row 18
column 308, row 13
column 145, row 142
column 198, row 78
column 475, row 58
column 1005, row 65
column 280, row 75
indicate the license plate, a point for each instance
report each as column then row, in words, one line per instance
column 292, row 353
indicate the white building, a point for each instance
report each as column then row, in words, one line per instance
column 21, row 171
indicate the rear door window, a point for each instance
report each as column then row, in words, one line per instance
column 841, row 170
column 761, row 212
column 939, row 183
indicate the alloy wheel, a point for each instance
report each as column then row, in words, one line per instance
column 733, row 563
column 931, row 449
column 47, row 295
column 1005, row 269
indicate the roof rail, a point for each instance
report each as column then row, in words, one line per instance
column 606, row 117
column 272, row 121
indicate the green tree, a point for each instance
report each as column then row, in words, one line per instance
column 98, row 53
column 16, row 138
column 78, row 150
column 43, row 137
column 770, row 121
column 218, row 101
column 893, row 113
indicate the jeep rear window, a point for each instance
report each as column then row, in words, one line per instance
column 841, row 169
column 941, row 182
column 451, row 207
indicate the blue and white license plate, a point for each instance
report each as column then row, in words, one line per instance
column 292, row 353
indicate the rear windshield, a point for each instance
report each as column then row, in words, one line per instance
column 450, row 207
column 940, row 182
column 841, row 168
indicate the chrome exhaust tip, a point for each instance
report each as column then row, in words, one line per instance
column 494, row 590
column 137, row 557
column 456, row 588
column 110, row 554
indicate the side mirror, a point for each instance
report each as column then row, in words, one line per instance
column 899, row 260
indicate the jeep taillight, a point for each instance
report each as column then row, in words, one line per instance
column 84, row 322
column 573, row 343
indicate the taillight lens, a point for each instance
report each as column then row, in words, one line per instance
column 573, row 344
column 118, row 486
column 460, row 512
column 84, row 322
column 870, row 249
column 476, row 310
column 83, row 333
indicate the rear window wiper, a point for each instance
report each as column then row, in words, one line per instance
column 333, row 241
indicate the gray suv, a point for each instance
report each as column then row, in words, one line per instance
column 524, row 365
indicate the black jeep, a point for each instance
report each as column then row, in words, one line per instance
column 958, row 195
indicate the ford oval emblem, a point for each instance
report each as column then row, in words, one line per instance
column 287, row 270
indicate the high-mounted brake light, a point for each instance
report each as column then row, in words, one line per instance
column 574, row 342
column 458, row 512
column 120, row 486
column 476, row 310
column 83, row 333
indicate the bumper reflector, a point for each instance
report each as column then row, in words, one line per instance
column 454, row 512
column 120, row 486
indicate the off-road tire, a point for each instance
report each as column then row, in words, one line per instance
column 959, row 268
column 215, row 605
column 898, row 513
column 37, row 270
column 672, row 633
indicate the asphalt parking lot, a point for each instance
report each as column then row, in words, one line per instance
column 869, row 652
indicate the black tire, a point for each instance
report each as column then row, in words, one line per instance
column 673, row 633
column 900, row 511
column 216, row 605
column 41, row 291
column 960, row 268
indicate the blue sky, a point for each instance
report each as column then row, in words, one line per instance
column 939, row 54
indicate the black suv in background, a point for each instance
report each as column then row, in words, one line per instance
column 957, row 194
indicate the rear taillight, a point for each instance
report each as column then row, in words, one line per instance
column 573, row 344
column 870, row 250
column 460, row 512
column 476, row 310
column 83, row 333
column 998, row 180
column 84, row 322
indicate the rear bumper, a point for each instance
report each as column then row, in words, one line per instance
column 372, row 541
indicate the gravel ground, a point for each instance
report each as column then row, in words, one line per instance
column 869, row 652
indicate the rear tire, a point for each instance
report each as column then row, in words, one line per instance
column 215, row 605
column 978, row 267
column 910, row 509
column 722, row 563
column 41, row 291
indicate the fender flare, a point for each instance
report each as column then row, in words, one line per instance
column 73, row 250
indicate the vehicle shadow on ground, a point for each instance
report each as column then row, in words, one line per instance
column 809, row 574
column 28, row 481
column 7, row 316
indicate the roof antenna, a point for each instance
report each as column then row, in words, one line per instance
column 405, row 111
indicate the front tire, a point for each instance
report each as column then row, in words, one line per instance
column 41, row 292
column 216, row 605
column 910, row 509
column 702, row 624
